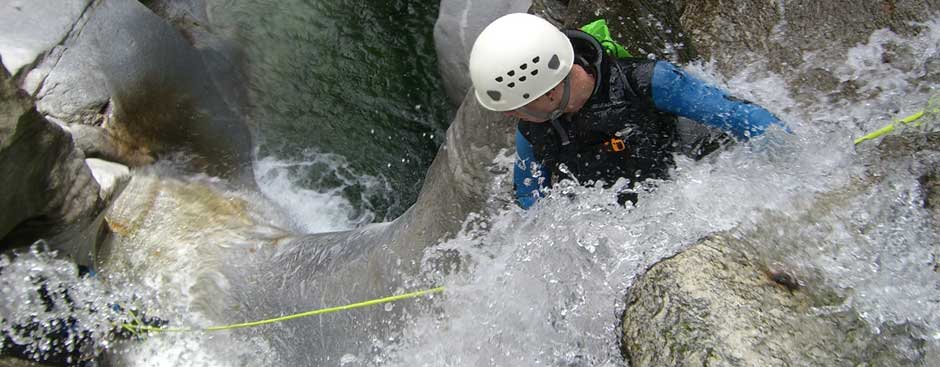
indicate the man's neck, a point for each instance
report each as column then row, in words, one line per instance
column 582, row 86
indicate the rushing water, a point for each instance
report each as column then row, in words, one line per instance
column 545, row 286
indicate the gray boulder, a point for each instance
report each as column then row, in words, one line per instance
column 136, row 79
column 457, row 27
column 47, row 189
column 717, row 304
column 29, row 29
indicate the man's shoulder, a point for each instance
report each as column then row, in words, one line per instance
column 633, row 76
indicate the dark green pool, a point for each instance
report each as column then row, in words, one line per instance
column 355, row 78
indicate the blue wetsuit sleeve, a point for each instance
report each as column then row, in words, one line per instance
column 677, row 92
column 529, row 176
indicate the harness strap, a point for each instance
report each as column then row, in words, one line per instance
column 561, row 132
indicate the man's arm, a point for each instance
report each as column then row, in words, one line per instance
column 529, row 176
column 678, row 92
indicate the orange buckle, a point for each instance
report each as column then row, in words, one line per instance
column 617, row 145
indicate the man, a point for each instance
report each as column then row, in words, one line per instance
column 587, row 114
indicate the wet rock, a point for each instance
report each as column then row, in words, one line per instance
column 552, row 10
column 643, row 27
column 238, row 247
column 127, row 71
column 729, row 300
column 932, row 69
column 222, row 57
column 98, row 142
column 716, row 304
column 906, row 144
column 457, row 27
column 460, row 176
column 16, row 362
column 47, row 189
column 931, row 186
column 111, row 177
column 741, row 32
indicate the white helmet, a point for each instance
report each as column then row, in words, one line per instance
column 516, row 59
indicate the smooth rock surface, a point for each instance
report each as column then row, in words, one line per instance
column 457, row 27
column 131, row 73
column 31, row 28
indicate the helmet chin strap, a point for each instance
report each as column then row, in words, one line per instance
column 561, row 107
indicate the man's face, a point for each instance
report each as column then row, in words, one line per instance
column 544, row 105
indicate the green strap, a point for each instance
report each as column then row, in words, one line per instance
column 598, row 29
column 137, row 326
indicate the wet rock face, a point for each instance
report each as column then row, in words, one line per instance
column 785, row 34
column 47, row 189
column 931, row 185
column 727, row 30
column 643, row 27
column 119, row 68
column 715, row 304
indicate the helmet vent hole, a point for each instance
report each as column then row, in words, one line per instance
column 525, row 96
column 523, row 66
column 535, row 72
column 511, row 73
column 535, row 60
column 511, row 85
column 554, row 63
column 522, row 78
column 499, row 79
column 494, row 95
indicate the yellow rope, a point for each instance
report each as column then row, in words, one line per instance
column 932, row 109
column 138, row 326
column 887, row 129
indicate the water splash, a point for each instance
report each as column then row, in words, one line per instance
column 546, row 287
column 321, row 192
column 51, row 312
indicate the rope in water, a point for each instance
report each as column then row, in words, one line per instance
column 933, row 108
column 137, row 326
column 887, row 129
